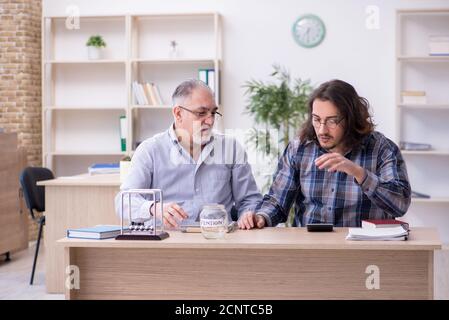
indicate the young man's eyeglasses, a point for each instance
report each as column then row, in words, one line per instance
column 203, row 113
column 330, row 123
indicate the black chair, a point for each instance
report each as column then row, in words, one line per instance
column 35, row 199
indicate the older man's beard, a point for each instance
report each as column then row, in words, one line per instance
column 201, row 137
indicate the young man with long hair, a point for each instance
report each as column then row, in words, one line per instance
column 339, row 170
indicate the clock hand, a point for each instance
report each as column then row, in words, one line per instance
column 308, row 34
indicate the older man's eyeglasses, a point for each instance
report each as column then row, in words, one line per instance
column 203, row 113
column 330, row 123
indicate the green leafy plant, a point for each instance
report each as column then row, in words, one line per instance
column 280, row 105
column 96, row 41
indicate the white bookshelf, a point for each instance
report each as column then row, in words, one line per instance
column 428, row 123
column 83, row 99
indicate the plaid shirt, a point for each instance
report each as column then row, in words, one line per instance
column 334, row 197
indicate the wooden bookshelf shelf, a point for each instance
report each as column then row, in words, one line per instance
column 83, row 99
column 424, row 58
column 86, row 153
column 105, row 108
column 426, row 153
column 431, row 200
column 425, row 106
column 100, row 61
column 149, row 107
column 173, row 61
column 416, row 70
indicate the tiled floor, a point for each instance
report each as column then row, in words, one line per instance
column 15, row 276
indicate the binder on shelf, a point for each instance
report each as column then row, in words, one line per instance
column 208, row 77
column 123, row 132
column 202, row 75
column 211, row 79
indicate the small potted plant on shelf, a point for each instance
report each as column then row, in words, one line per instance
column 94, row 46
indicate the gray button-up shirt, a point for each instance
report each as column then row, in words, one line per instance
column 221, row 175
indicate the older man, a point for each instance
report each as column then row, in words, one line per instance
column 192, row 164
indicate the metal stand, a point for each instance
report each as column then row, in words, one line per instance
column 139, row 232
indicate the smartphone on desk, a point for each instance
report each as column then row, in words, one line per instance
column 320, row 227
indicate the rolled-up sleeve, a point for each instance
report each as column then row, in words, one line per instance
column 389, row 188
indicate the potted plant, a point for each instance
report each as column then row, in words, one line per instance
column 94, row 46
column 279, row 107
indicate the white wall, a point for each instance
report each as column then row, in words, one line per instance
column 257, row 33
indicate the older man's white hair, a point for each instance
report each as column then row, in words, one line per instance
column 184, row 90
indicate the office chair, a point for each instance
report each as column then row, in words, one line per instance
column 35, row 200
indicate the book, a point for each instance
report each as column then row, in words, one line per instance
column 142, row 94
column 405, row 145
column 98, row 232
column 157, row 94
column 414, row 97
column 104, row 168
column 378, row 234
column 420, row 195
column 383, row 223
column 137, row 94
column 149, row 93
column 439, row 45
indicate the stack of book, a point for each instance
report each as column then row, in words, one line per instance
column 384, row 223
column 404, row 145
column 380, row 230
column 439, row 45
column 414, row 97
column 420, row 195
column 98, row 232
column 147, row 94
column 104, row 168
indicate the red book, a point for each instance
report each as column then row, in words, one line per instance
column 383, row 223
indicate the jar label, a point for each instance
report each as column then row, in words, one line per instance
column 212, row 222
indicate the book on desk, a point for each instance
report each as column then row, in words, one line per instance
column 98, row 232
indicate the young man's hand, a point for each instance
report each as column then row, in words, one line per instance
column 337, row 162
column 250, row 220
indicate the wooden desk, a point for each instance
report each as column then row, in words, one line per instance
column 272, row 263
column 74, row 202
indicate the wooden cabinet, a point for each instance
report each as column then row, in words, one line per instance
column 13, row 212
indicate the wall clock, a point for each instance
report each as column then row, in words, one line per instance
column 308, row 31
